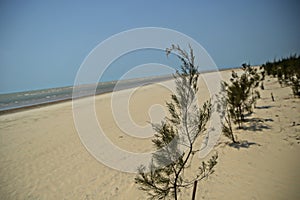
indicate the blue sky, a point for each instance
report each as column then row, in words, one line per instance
column 43, row 43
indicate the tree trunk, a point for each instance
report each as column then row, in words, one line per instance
column 194, row 190
column 175, row 191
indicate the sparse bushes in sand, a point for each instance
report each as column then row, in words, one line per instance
column 175, row 137
column 238, row 97
column 287, row 71
column 240, row 94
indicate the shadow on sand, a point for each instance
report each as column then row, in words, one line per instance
column 256, row 124
column 263, row 107
column 242, row 144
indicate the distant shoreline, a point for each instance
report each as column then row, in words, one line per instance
column 144, row 80
column 127, row 84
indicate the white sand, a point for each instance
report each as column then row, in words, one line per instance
column 42, row 157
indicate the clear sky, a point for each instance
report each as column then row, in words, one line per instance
column 43, row 43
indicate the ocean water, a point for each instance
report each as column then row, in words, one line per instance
column 13, row 101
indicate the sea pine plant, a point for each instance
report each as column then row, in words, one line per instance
column 226, row 116
column 287, row 71
column 176, row 136
column 241, row 93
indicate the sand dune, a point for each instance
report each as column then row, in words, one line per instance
column 42, row 157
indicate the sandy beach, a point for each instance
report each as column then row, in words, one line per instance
column 42, row 156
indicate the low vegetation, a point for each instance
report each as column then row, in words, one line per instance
column 287, row 71
column 176, row 135
column 238, row 97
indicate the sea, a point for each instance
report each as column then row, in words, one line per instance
column 21, row 100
